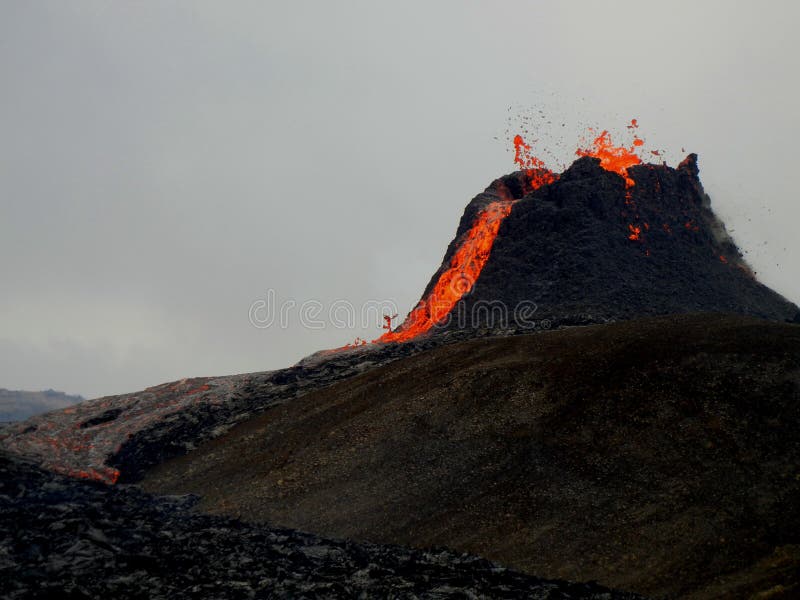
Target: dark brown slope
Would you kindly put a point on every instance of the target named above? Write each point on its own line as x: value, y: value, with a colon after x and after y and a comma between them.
x: 660, y: 456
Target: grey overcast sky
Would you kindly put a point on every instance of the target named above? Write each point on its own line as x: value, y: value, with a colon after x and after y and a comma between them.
x: 164, y: 164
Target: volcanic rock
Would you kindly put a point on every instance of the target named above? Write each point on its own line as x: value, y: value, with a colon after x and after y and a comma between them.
x: 565, y: 252
x: 63, y: 538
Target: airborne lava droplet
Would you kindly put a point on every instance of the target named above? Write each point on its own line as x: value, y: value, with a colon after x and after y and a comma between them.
x: 536, y: 171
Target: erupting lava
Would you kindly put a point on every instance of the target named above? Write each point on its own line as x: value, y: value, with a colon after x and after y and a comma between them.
x: 476, y: 245
x: 618, y: 159
x: 615, y: 158
x: 534, y: 168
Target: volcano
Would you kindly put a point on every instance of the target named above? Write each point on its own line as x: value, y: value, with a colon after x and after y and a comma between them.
x: 592, y: 246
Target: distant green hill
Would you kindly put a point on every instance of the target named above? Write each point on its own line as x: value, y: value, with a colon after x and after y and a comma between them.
x: 16, y: 405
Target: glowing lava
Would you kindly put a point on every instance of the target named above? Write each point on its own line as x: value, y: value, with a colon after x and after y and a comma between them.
x: 458, y: 279
x: 356, y: 343
x: 618, y: 159
x: 538, y: 175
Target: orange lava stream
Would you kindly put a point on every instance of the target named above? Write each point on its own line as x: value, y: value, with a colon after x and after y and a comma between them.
x: 458, y: 279
x: 471, y: 256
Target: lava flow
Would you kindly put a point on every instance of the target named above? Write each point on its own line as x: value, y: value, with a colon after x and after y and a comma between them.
x: 468, y: 261
x: 458, y: 279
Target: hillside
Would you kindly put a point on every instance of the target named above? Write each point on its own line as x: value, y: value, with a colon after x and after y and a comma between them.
x: 656, y: 455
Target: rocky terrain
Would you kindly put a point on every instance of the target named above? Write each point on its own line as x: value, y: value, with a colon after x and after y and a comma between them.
x: 115, y: 438
x: 67, y: 539
x: 656, y: 455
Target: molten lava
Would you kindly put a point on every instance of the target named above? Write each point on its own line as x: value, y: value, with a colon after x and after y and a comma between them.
x: 618, y: 159
x: 534, y: 168
x: 615, y: 158
x: 458, y: 279
x: 356, y: 343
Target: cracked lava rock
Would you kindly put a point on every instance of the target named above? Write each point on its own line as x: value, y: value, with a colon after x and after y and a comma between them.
x: 65, y: 538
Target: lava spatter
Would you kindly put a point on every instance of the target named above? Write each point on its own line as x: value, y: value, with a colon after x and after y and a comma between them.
x: 536, y: 171
x: 617, y: 159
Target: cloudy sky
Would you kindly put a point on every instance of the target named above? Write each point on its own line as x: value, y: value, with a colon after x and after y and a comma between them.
x: 164, y: 165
